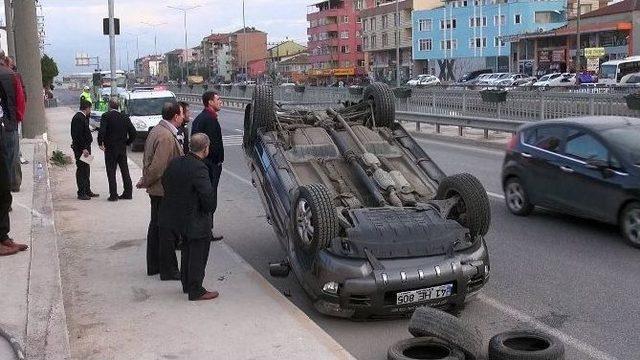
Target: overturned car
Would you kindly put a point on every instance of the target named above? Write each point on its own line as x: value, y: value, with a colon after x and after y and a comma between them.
x: 370, y: 225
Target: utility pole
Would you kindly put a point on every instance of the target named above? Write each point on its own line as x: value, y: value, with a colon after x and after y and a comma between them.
x: 28, y: 61
x: 8, y: 16
x: 578, y: 62
x: 246, y: 60
x: 397, y: 20
x: 112, y: 49
x: 155, y: 34
x: 186, y: 48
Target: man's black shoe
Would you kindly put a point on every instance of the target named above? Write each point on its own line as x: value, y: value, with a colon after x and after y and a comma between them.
x: 92, y: 194
x: 112, y: 198
x: 84, y: 197
x: 125, y: 197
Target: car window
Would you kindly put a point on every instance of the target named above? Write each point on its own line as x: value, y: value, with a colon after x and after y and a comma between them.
x: 583, y: 146
x: 547, y: 138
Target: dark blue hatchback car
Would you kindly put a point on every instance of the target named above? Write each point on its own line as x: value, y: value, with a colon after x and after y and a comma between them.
x: 587, y: 167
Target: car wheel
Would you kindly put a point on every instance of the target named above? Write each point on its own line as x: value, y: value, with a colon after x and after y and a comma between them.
x: 473, y: 210
x: 384, y: 103
x: 315, y: 222
x: 516, y: 197
x: 525, y: 345
x: 424, y: 348
x: 428, y: 321
x: 630, y: 224
x: 246, y: 135
x: 263, y: 113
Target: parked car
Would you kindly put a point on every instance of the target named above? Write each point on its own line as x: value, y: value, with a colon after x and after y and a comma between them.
x: 367, y: 229
x: 588, y: 167
x: 472, y: 75
x: 509, y: 80
x: 556, y: 80
x: 424, y: 80
x: 489, y: 79
x: 630, y: 80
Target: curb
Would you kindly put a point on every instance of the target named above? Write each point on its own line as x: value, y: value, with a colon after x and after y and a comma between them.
x: 460, y: 140
x: 47, y: 334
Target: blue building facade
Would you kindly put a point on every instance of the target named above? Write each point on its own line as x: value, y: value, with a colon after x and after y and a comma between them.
x: 467, y: 35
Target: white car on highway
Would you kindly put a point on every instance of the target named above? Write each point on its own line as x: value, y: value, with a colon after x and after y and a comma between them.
x: 144, y: 107
x: 424, y: 79
x: 556, y: 80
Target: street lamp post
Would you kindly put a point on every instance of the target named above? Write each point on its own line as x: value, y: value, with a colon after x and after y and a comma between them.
x: 155, y: 34
x: 186, y: 49
x: 579, y: 63
x: 112, y: 48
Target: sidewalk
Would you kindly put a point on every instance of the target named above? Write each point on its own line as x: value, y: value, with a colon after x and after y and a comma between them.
x: 115, y: 311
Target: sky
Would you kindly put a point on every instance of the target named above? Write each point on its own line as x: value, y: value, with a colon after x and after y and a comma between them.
x: 74, y: 26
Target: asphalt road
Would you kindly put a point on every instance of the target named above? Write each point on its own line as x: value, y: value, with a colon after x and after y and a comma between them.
x: 574, y: 278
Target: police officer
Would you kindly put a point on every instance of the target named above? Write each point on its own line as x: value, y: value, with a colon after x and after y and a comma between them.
x: 86, y: 95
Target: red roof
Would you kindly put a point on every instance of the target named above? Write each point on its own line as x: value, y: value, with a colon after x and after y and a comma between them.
x: 625, y: 6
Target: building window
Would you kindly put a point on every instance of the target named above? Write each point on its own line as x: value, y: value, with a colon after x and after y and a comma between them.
x: 359, y: 48
x: 497, y: 42
x: 426, y: 45
x: 464, y: 3
x: 385, y: 40
x: 385, y: 21
x: 517, y: 19
x: 345, y: 19
x: 346, y: 64
x: 373, y: 24
x: 357, y: 4
x: 358, y: 34
x: 365, y: 42
x: 373, y: 41
x: 424, y: 25
x: 360, y: 62
x: 344, y: 49
x: 448, y: 44
x: 448, y: 24
x: 501, y: 20
x: 359, y: 20
x: 478, y: 43
x: 475, y: 22
x: 344, y: 35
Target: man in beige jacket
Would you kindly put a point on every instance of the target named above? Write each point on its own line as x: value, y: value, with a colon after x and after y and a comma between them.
x: 161, y: 147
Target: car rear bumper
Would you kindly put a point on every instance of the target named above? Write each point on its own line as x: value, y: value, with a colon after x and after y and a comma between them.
x: 365, y: 292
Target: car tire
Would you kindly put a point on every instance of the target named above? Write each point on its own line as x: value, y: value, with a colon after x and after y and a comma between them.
x: 428, y: 321
x: 424, y: 348
x: 630, y: 224
x: 516, y: 197
x: 246, y: 135
x: 384, y: 103
x: 525, y: 345
x: 263, y: 113
x: 315, y: 222
x: 473, y: 210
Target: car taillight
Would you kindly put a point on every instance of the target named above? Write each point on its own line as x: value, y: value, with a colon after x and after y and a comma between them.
x: 511, y: 145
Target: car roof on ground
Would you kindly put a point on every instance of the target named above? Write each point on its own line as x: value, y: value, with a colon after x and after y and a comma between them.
x: 595, y: 123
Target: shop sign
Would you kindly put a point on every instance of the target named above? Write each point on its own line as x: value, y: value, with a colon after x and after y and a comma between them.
x: 593, y: 64
x: 543, y: 56
x: 594, y: 53
x: 557, y: 56
x: 344, y: 72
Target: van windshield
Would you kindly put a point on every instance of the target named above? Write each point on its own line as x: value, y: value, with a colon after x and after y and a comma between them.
x: 608, y: 71
x: 147, y: 107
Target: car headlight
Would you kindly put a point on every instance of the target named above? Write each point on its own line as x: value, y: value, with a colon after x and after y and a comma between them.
x: 140, y: 125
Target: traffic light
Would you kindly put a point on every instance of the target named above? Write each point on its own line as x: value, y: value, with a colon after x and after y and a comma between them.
x: 97, y: 79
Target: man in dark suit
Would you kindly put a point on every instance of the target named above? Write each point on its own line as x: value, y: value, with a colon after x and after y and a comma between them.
x: 187, y: 208
x: 116, y: 132
x: 183, y: 131
x: 207, y: 123
x: 81, y: 140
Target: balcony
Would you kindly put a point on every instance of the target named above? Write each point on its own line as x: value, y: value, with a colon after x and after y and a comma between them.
x: 325, y: 13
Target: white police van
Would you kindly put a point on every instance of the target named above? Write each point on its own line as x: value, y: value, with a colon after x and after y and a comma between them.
x: 144, y: 107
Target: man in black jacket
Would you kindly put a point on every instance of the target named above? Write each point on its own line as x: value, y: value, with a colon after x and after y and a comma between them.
x: 207, y: 123
x: 183, y: 131
x: 116, y: 132
x: 81, y: 140
x: 187, y: 208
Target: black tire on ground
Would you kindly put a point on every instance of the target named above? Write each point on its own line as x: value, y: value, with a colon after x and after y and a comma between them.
x: 525, y: 345
x: 517, y: 198
x: 384, y: 103
x: 315, y: 201
x: 427, y: 321
x: 630, y: 224
x: 473, y: 210
x: 263, y: 113
x: 246, y: 135
x: 424, y: 348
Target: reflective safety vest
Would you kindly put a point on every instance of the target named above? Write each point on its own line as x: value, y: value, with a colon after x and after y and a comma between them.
x: 86, y: 95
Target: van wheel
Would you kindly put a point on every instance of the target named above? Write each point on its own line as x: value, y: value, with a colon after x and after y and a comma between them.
x: 315, y: 222
x: 384, y: 103
x: 262, y: 110
x: 473, y: 210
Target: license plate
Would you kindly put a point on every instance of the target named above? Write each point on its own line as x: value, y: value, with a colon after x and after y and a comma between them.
x: 420, y: 295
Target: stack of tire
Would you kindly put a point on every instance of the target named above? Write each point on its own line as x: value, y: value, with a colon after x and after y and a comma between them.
x: 441, y: 336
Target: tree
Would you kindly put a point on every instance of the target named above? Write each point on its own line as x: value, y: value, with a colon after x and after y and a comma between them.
x: 49, y: 70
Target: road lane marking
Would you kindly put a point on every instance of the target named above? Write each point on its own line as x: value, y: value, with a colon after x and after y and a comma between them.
x: 232, y: 140
x: 506, y: 309
x: 240, y: 131
x: 567, y: 339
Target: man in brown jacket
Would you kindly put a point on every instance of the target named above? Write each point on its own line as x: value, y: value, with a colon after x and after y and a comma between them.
x: 161, y: 147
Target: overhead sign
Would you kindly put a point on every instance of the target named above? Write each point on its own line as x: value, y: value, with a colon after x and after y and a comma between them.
x: 594, y: 53
x: 593, y: 64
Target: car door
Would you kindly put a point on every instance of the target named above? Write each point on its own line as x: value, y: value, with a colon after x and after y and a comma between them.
x: 591, y: 183
x: 541, y: 161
